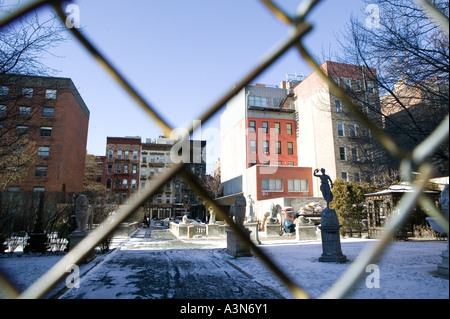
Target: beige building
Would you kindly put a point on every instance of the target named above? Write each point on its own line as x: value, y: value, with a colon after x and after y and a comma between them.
x: 328, y: 136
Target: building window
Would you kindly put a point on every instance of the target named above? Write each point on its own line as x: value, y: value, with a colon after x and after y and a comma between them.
x: 118, y: 168
x: 109, y: 168
x: 342, y: 155
x: 266, y: 162
x: 143, y: 171
x: 133, y: 184
x: 289, y: 128
x: 41, y: 171
x: 338, y: 104
x: 357, y: 177
x: 125, y: 168
x: 44, y: 151
x: 46, y: 131
x: 290, y: 148
x: 297, y: 185
x: 144, y: 158
x: 266, y: 147
x: 352, y: 130
x: 272, y: 184
x: 358, y: 85
x: 25, y: 111
x: 278, y: 147
x: 257, y: 101
x: 152, y: 171
x: 340, y: 129
x: 4, y: 90
x: 126, y: 155
x: 110, y: 154
x: 152, y: 158
x: 134, y: 169
x: 2, y: 110
x: 252, y: 146
x: 108, y: 183
x: 119, y: 154
x: 348, y: 83
x: 277, y: 128
x: 279, y: 163
x: 50, y: 94
x: 135, y: 155
x: 27, y: 92
x: 265, y: 127
x: 290, y: 163
x: 48, y: 112
x: 252, y: 163
x: 21, y: 130
x: 355, y: 154
x: 370, y: 87
x: 344, y: 176
x: 252, y: 126
x: 125, y: 183
x: 14, y: 189
x: 38, y: 189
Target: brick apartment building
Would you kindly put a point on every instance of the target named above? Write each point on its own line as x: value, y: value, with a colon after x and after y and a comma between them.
x: 121, y: 168
x: 48, y: 115
x: 328, y: 136
x: 259, y: 151
x: 130, y: 165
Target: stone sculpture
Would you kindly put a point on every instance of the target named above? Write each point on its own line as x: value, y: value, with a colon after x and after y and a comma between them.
x: 325, y: 188
x: 237, y: 210
x: 212, y: 215
x: 82, y: 212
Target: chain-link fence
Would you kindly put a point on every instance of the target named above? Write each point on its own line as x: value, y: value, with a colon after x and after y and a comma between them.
x: 413, y: 161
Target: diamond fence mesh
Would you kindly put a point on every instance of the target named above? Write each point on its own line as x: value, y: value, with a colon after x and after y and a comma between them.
x: 412, y: 161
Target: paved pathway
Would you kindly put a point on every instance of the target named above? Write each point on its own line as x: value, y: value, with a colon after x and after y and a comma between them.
x: 154, y: 264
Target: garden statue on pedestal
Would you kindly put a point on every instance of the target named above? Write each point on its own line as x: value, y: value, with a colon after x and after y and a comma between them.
x: 235, y: 246
x: 82, y: 211
x: 331, y: 242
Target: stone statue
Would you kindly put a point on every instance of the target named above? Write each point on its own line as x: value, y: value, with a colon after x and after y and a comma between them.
x: 238, y: 210
x: 275, y: 210
x: 82, y: 212
x: 185, y: 220
x: 212, y: 215
x: 250, y: 209
x: 325, y: 186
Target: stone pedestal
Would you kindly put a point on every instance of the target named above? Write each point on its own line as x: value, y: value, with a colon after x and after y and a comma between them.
x: 331, y: 241
x: 305, y: 232
x: 212, y: 230
x: 254, y: 237
x: 235, y: 246
x: 272, y: 229
x: 74, y: 239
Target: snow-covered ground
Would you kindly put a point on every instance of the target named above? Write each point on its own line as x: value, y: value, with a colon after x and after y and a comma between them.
x: 407, y: 270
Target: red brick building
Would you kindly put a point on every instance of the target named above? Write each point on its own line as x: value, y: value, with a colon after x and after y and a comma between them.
x: 121, y: 169
x: 49, y: 114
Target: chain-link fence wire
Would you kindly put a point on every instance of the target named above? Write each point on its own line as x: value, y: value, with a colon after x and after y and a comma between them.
x: 414, y: 161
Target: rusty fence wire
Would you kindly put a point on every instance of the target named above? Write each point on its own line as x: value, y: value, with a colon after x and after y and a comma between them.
x: 412, y: 161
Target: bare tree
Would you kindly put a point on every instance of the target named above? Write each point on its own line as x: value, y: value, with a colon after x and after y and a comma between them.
x: 411, y: 56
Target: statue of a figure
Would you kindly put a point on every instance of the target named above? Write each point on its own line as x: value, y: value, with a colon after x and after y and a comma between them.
x: 82, y: 212
x: 325, y: 186
x: 443, y: 200
x: 250, y: 208
x: 238, y: 210
x: 212, y: 215
x: 275, y: 210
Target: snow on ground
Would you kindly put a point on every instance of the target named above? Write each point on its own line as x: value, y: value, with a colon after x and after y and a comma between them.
x: 407, y: 270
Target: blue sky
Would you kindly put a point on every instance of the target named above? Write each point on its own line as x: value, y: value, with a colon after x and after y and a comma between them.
x: 182, y: 55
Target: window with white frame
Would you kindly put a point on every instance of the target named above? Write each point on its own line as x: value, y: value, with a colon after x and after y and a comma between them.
x: 44, y: 151
x: 297, y: 185
x: 252, y: 126
x: 352, y: 130
x: 27, y: 92
x: 340, y: 129
x: 50, y: 94
x: 355, y: 155
x: 342, y: 154
x: 272, y: 184
x: 338, y: 105
x: 344, y: 176
x: 257, y: 101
